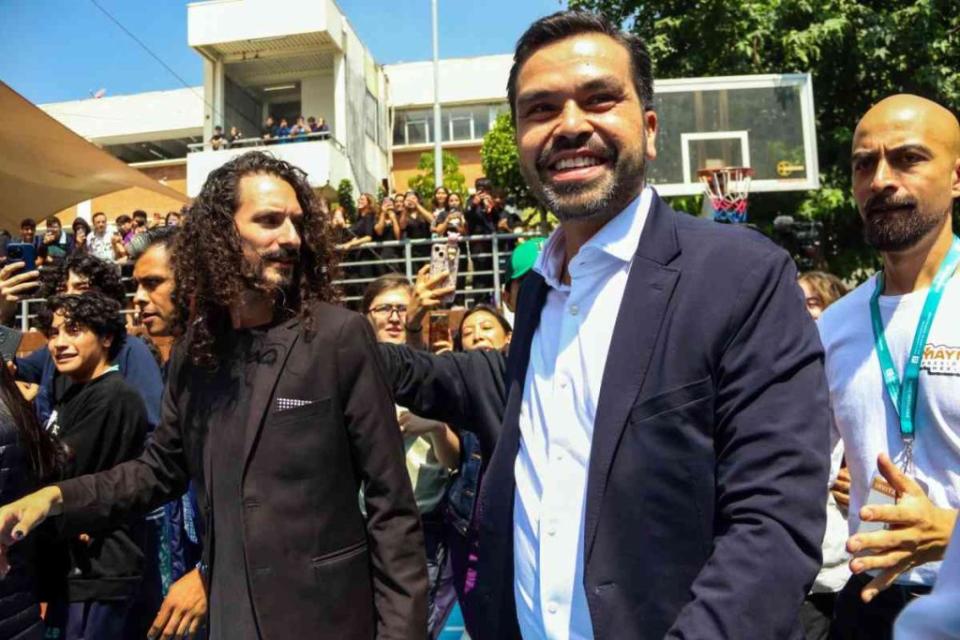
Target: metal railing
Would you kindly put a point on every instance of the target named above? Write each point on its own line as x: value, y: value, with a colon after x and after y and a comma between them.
x: 259, y: 142
x: 355, y: 277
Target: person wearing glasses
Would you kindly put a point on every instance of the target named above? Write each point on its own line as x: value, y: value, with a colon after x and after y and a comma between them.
x: 431, y: 448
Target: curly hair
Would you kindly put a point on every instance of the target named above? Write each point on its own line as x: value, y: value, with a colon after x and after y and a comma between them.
x: 90, y: 309
x: 103, y: 276
x: 209, y: 266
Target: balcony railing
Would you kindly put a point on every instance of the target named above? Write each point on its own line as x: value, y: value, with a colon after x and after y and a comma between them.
x: 239, y: 143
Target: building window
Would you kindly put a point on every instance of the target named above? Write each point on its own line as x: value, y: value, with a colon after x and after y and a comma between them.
x: 457, y: 124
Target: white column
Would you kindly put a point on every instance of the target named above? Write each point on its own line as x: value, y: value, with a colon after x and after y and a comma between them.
x: 339, y: 125
x: 85, y: 210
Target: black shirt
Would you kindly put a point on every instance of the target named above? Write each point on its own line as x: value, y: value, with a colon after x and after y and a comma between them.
x: 417, y: 228
x: 102, y: 423
x: 231, y: 609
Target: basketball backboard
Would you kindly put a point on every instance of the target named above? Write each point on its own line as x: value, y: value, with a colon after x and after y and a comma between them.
x: 764, y: 122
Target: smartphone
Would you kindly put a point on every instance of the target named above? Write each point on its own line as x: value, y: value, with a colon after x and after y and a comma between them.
x: 9, y: 343
x: 445, y: 258
x: 22, y: 252
x: 439, y: 328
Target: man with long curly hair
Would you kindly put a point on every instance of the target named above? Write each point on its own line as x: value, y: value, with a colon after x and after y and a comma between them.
x: 277, y: 409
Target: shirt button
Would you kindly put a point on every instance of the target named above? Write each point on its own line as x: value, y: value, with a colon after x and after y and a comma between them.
x: 574, y: 309
x: 552, y: 607
x: 558, y: 457
x: 563, y: 384
x: 552, y: 531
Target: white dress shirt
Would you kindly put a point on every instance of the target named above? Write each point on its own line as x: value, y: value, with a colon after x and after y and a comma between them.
x: 560, y: 395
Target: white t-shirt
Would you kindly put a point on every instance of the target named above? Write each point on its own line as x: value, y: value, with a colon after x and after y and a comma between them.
x: 863, y: 413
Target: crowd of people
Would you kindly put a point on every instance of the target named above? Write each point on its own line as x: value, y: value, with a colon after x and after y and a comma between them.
x: 273, y: 132
x: 677, y: 436
x: 56, y: 244
x: 447, y: 216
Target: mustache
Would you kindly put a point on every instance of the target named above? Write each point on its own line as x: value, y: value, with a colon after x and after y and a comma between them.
x: 880, y: 203
x: 280, y: 255
x: 592, y: 144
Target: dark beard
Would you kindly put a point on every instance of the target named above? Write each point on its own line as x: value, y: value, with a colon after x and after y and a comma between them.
x: 257, y: 279
x: 896, y: 230
x: 595, y: 200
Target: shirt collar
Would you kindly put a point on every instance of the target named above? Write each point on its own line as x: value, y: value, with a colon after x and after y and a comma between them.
x: 617, y: 239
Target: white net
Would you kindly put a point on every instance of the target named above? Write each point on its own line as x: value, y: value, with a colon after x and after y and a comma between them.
x: 728, y: 191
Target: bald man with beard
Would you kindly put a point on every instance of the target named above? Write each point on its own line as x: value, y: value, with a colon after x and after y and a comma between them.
x: 893, y: 363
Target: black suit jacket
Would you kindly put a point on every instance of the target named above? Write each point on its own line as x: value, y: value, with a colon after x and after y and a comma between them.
x: 316, y: 568
x: 708, y: 468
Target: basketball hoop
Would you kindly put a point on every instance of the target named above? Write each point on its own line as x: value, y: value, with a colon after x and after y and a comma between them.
x: 727, y: 189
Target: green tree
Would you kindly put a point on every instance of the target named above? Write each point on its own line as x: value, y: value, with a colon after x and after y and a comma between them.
x: 501, y: 159
x: 345, y: 199
x: 424, y: 184
x: 857, y: 52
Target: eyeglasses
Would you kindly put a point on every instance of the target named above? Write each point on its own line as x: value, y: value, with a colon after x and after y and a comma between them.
x: 389, y: 309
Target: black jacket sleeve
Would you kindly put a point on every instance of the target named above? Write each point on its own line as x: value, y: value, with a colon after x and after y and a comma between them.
x: 466, y: 390
x: 111, y: 428
x: 772, y: 443
x: 157, y: 476
x: 393, y: 522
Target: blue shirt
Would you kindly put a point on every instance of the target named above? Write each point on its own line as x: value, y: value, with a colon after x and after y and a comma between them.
x: 136, y: 364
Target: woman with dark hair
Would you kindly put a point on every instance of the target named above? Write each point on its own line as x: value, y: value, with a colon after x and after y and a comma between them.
x: 389, y: 229
x: 81, y: 230
x: 172, y: 219
x: 440, y: 196
x: 28, y: 458
x: 452, y: 219
x: 362, y: 232
x: 483, y: 327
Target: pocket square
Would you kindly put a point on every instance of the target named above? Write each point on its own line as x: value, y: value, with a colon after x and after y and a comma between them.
x: 284, y: 404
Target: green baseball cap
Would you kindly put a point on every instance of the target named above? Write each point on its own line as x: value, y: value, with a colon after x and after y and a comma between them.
x: 524, y: 257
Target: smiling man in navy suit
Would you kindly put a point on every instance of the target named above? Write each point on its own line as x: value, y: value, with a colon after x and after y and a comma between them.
x: 662, y: 462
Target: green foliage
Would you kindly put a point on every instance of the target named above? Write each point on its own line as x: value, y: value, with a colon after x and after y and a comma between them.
x: 424, y: 184
x: 345, y: 199
x: 501, y: 160
x: 857, y: 53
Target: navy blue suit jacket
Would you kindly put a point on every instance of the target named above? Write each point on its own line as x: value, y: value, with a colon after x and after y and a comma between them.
x: 705, y: 502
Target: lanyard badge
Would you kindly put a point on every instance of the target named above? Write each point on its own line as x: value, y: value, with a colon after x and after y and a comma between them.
x: 903, y: 394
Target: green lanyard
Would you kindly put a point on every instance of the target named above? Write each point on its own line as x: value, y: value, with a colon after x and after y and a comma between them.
x: 903, y: 394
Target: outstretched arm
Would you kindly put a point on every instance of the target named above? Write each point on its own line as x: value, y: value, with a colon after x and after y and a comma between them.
x: 393, y: 522
x: 105, y: 499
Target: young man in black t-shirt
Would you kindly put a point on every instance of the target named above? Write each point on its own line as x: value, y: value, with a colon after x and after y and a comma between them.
x: 102, y: 422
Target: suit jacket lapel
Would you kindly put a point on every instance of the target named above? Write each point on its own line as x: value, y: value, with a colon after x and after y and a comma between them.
x: 272, y: 359
x: 500, y: 491
x: 649, y: 287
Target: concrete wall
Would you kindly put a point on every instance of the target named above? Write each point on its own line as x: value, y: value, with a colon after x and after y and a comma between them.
x: 462, y: 80
x: 218, y: 21
x: 242, y: 111
x: 317, y: 98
